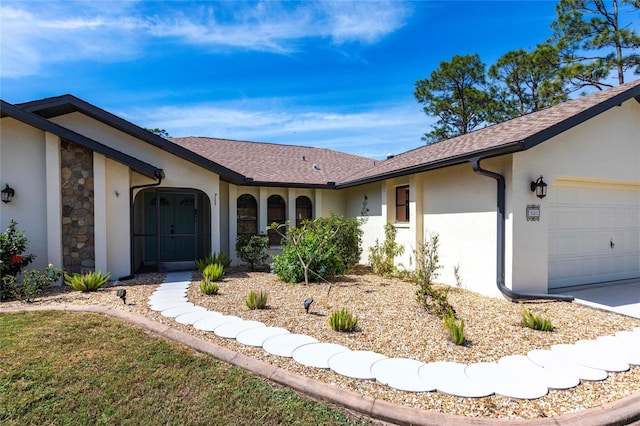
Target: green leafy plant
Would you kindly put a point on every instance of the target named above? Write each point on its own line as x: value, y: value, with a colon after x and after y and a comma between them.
x: 382, y: 256
x: 31, y: 282
x: 90, y: 281
x: 343, y: 320
x: 213, y: 272
x: 535, y: 321
x: 320, y: 249
x: 212, y: 258
x: 455, y: 329
x: 427, y: 265
x: 13, y: 244
x: 209, y: 287
x: 252, y: 249
x: 256, y: 300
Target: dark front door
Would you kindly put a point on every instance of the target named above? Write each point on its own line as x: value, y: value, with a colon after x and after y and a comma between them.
x: 171, y: 229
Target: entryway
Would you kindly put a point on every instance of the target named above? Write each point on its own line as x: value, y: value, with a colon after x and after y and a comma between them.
x: 172, y: 228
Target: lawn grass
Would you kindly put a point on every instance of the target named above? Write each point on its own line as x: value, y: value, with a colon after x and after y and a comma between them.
x: 82, y: 368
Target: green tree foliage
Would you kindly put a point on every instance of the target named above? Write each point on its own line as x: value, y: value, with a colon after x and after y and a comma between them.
x: 160, y: 132
x: 525, y: 82
x: 318, y: 250
x: 596, y: 37
x: 456, y: 93
x: 252, y: 249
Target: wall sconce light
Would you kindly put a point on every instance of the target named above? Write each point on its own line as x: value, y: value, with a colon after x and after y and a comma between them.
x: 7, y: 194
x: 539, y: 187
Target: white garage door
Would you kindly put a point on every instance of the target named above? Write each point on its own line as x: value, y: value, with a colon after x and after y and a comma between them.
x: 594, y: 233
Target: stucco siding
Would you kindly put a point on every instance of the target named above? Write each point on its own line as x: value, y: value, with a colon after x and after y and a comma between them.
x: 460, y: 206
x: 604, y: 151
x: 118, y: 235
x: 369, y: 211
x: 23, y: 166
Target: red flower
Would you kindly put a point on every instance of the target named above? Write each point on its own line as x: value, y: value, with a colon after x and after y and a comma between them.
x: 16, y: 258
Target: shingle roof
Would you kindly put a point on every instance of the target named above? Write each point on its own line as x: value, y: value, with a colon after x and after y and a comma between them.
x: 511, y: 136
x: 276, y: 164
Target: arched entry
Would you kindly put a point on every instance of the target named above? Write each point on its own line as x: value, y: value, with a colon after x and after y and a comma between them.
x: 172, y: 228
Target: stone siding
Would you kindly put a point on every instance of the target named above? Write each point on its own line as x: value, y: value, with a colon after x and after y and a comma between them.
x: 78, y: 249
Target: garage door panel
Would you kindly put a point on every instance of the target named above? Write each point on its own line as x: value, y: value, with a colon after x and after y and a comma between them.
x: 584, y: 220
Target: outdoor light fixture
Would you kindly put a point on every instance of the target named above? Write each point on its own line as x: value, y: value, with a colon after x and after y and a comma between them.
x: 307, y: 303
x: 539, y: 187
x: 7, y: 194
x: 122, y: 294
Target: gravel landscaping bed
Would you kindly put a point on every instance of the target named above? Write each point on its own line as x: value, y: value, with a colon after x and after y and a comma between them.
x: 391, y: 322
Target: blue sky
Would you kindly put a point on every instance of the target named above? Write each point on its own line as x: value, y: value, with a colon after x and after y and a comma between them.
x: 328, y: 74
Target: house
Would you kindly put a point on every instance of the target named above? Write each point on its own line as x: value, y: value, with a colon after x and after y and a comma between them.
x: 94, y: 191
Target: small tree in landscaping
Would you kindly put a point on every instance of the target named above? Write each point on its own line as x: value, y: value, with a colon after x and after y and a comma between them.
x: 252, y: 249
x: 318, y: 249
x: 427, y: 266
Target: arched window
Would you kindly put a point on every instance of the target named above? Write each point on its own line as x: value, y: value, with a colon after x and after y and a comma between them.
x: 303, y: 210
x: 276, y: 212
x: 247, y: 210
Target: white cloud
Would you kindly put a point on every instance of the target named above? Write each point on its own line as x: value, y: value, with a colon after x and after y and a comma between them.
x: 36, y: 33
x: 31, y: 39
x: 372, y: 133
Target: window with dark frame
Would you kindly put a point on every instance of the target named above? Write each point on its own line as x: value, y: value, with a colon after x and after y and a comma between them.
x: 402, y: 203
x: 304, y: 210
x: 247, y: 210
x: 276, y: 212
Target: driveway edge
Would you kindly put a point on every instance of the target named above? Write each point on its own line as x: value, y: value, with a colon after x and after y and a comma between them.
x: 621, y: 412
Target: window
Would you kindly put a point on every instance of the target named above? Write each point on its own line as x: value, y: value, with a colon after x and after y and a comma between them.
x: 247, y: 210
x: 303, y: 209
x: 402, y: 203
x: 276, y: 212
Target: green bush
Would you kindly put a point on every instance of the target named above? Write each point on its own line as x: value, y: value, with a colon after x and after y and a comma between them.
x: 209, y: 287
x: 252, y: 249
x: 318, y: 250
x: 256, y: 300
x: 343, y: 320
x: 535, y: 321
x: 382, y: 257
x: 31, y: 282
x: 86, y: 282
x: 213, y: 258
x: 454, y: 329
x: 13, y: 244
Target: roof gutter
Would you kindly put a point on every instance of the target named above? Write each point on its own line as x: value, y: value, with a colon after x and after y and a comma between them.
x: 500, y: 255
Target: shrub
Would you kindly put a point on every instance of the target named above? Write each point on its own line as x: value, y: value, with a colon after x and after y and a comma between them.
x: 213, y: 272
x: 317, y: 249
x: 212, y: 258
x: 252, y: 249
x: 209, y: 287
x: 31, y: 282
x: 256, y: 300
x: 13, y: 244
x: 91, y: 281
x: 343, y: 320
x: 535, y: 321
x: 382, y: 257
x: 433, y: 299
x: 454, y: 329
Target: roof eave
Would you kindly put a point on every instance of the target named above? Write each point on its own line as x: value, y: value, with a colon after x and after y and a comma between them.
x: 509, y: 148
x: 68, y: 103
x: 146, y: 169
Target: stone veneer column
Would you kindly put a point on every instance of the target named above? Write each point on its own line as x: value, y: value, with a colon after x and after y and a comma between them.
x: 78, y: 253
